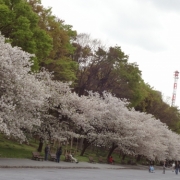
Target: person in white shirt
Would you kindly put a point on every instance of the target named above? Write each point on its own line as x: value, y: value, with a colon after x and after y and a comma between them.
x: 72, y: 158
x: 173, y: 166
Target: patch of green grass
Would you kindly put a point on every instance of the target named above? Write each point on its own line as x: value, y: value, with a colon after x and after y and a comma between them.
x: 13, y: 149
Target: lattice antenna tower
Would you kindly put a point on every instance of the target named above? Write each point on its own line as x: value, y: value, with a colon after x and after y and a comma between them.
x: 176, y: 77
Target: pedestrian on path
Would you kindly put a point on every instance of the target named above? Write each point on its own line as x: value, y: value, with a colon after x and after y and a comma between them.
x: 176, y: 167
x: 58, y: 154
x: 173, y: 166
x: 46, y: 151
x: 164, y: 167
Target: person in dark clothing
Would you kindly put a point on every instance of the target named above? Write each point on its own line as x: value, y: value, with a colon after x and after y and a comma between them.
x: 58, y: 154
x: 46, y: 151
x: 176, y: 167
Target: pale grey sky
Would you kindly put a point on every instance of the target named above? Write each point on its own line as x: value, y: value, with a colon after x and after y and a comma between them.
x: 147, y: 30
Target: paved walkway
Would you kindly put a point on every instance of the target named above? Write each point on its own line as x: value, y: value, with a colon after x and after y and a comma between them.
x: 28, y: 163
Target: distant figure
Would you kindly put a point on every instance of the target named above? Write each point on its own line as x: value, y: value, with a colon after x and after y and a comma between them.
x: 72, y: 158
x: 164, y: 167
x: 111, y: 161
x: 176, y: 167
x: 46, y: 151
x: 173, y: 166
x: 58, y: 154
x: 151, y: 169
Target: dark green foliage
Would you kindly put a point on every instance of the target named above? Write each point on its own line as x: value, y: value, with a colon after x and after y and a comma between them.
x: 59, y: 59
x: 20, y: 24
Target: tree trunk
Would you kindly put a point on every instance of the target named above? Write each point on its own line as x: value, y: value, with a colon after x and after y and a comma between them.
x: 86, y: 144
x: 81, y: 144
x: 71, y: 144
x: 40, y: 144
x: 123, y: 157
x: 113, y: 147
x: 138, y: 158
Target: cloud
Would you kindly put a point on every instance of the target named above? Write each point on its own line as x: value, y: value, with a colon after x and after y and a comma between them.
x: 166, y: 5
x: 132, y: 23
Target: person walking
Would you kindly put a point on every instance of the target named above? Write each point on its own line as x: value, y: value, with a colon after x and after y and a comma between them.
x: 58, y: 154
x: 46, y: 151
x: 164, y: 167
x: 173, y: 166
x: 176, y: 167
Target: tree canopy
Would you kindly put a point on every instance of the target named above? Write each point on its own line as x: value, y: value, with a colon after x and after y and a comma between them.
x: 19, y: 24
x: 107, y: 101
x: 59, y: 59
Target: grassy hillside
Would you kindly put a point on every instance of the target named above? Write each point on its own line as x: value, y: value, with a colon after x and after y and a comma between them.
x: 12, y: 149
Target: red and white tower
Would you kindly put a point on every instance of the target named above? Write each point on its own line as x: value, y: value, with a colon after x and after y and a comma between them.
x: 176, y: 77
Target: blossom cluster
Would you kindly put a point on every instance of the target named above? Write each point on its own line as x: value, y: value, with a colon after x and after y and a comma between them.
x: 36, y: 103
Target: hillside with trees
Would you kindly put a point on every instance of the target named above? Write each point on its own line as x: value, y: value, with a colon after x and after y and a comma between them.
x: 59, y: 85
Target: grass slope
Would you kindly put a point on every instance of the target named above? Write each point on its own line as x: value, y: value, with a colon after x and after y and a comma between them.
x: 12, y: 149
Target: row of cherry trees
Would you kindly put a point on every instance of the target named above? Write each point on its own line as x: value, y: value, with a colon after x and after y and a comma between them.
x: 34, y: 103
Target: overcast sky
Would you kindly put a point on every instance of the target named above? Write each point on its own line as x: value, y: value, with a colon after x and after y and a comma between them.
x: 146, y: 30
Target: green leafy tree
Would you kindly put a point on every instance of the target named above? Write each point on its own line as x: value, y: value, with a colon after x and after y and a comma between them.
x: 154, y: 104
x: 107, y: 70
x: 19, y: 24
x: 60, y: 58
